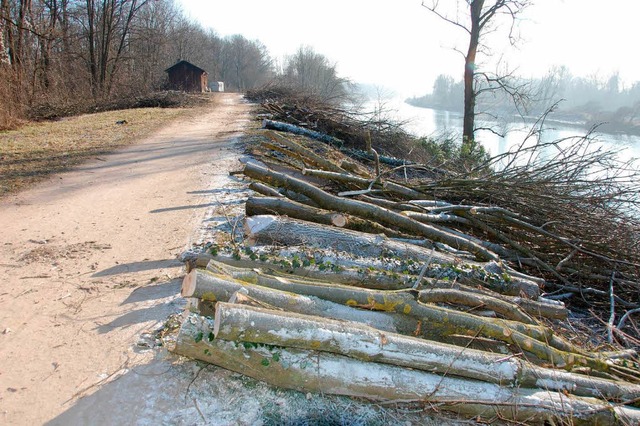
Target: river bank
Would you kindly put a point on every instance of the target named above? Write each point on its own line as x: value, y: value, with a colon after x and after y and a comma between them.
x: 442, y: 124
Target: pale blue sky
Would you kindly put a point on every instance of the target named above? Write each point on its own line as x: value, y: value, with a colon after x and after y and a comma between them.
x: 399, y: 44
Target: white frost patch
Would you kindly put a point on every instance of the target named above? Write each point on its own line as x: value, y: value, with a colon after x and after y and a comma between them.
x: 555, y: 384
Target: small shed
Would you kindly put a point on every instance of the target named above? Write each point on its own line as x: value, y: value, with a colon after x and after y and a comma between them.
x: 187, y: 77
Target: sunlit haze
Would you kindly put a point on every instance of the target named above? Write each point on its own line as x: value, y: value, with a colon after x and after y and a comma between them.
x: 401, y: 46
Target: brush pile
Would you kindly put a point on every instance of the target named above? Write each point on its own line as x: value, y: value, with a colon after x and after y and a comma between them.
x: 416, y: 284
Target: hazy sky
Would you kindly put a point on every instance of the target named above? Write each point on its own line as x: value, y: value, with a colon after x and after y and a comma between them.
x: 400, y: 45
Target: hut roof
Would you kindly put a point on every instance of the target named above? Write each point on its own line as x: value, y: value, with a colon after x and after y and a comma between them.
x: 180, y: 63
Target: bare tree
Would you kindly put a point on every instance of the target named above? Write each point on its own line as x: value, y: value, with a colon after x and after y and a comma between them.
x: 108, y: 28
x: 245, y: 63
x: 478, y: 20
x: 314, y: 73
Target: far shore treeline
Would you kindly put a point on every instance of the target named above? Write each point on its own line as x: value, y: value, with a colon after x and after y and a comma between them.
x: 606, y: 102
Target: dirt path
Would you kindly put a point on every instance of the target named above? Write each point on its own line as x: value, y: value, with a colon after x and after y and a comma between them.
x: 88, y: 268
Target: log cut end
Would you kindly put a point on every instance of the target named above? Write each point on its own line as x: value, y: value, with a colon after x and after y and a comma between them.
x: 189, y: 284
x: 339, y: 220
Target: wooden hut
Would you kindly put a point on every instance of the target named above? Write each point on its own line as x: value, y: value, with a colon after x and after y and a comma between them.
x: 187, y: 77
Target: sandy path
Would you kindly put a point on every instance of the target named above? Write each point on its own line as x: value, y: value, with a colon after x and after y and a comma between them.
x: 88, y: 264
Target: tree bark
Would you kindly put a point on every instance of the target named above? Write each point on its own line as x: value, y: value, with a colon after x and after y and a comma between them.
x: 468, y: 124
x: 364, y: 210
x: 279, y: 230
x: 312, y: 371
x: 281, y: 206
x: 536, y: 340
x: 283, y: 329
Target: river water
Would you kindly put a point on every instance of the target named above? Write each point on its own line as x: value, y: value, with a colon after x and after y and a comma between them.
x: 432, y: 122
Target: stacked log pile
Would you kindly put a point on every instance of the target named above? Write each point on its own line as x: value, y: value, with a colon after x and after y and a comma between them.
x: 358, y: 283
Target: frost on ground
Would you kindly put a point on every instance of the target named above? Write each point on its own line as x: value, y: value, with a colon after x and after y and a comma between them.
x: 171, y: 390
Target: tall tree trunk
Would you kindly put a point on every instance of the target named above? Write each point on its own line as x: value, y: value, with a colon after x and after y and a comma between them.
x: 24, y: 8
x: 5, y: 33
x: 91, y: 35
x: 469, y: 72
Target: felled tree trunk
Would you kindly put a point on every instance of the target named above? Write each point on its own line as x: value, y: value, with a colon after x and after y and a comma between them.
x: 248, y: 270
x: 536, y: 340
x: 213, y: 287
x: 365, y: 210
x: 270, y: 229
x: 283, y: 329
x: 312, y: 371
x: 281, y: 206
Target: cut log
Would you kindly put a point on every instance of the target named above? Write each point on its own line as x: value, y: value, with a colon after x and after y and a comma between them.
x: 390, y: 187
x: 266, y: 190
x: 365, y: 210
x: 211, y: 287
x: 310, y: 156
x: 297, y: 130
x: 270, y: 230
x: 536, y: 340
x: 312, y: 371
x: 280, y: 206
x: 282, y: 329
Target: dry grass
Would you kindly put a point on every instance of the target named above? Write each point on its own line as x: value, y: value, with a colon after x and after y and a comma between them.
x: 37, y: 150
